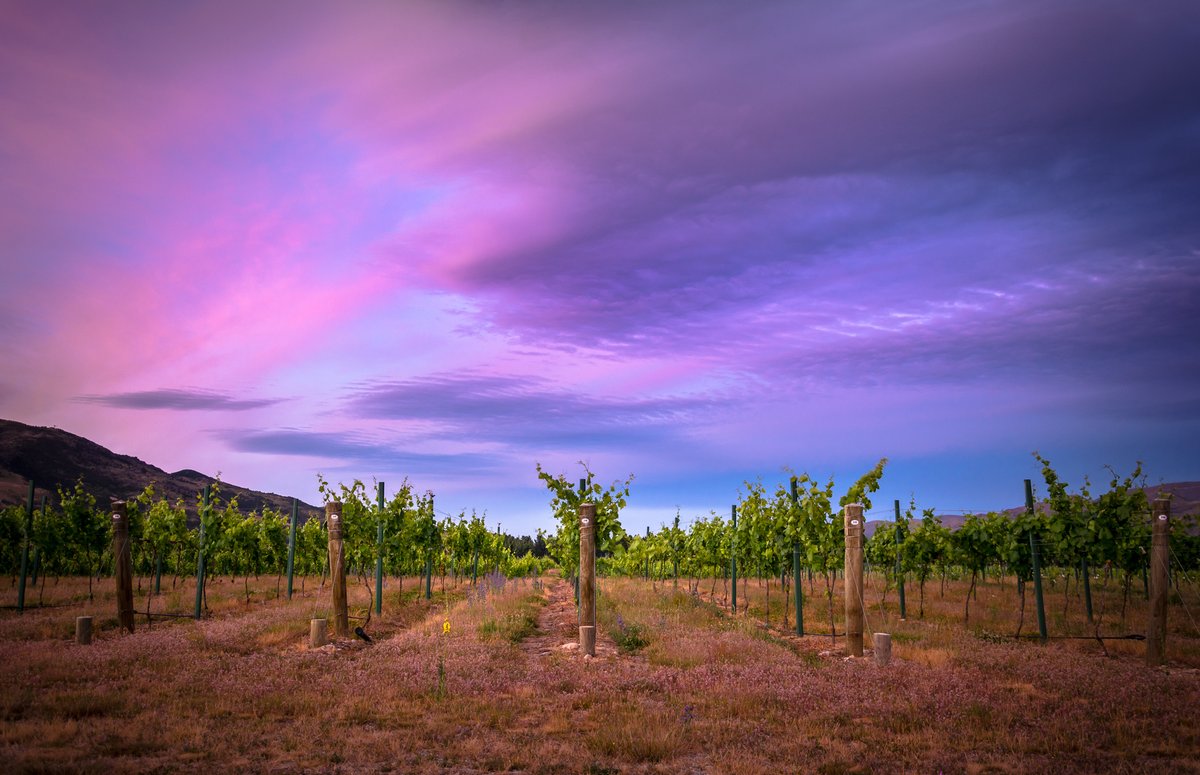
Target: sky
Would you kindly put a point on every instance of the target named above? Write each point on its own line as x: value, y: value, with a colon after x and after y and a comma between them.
x: 697, y: 242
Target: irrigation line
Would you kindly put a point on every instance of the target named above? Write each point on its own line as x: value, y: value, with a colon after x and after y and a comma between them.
x: 1131, y: 636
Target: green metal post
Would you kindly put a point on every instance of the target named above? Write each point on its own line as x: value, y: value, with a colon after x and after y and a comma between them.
x: 733, y: 556
x: 675, y: 551
x: 291, y: 562
x: 37, y: 550
x: 475, y: 569
x: 1036, y: 554
x: 379, y: 559
x: 899, y: 565
x: 429, y: 577
x: 200, y: 553
x: 25, y: 550
x: 797, y: 583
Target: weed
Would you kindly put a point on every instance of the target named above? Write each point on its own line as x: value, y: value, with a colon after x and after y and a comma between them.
x: 629, y: 636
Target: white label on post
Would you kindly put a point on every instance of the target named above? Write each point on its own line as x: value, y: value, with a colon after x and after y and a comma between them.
x: 116, y: 516
x: 1162, y: 517
x: 586, y: 521
x: 333, y: 516
x: 854, y: 522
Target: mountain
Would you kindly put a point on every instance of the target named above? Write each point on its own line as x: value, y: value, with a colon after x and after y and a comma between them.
x: 54, y: 458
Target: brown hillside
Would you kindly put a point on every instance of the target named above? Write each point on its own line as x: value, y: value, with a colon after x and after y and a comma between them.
x: 54, y: 458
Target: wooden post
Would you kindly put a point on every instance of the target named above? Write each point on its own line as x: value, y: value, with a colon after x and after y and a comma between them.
x: 25, y: 550
x: 587, y: 579
x: 379, y: 559
x: 899, y: 566
x: 1156, y: 631
x: 883, y: 648
x: 291, y: 561
x: 854, y: 579
x: 318, y: 634
x: 123, y: 568
x: 83, y: 630
x: 733, y: 557
x: 1036, y: 558
x: 337, y: 570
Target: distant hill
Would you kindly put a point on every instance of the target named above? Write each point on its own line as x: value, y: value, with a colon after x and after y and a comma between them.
x: 53, y: 457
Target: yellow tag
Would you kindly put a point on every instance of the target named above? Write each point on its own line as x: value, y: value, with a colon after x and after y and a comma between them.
x: 446, y: 627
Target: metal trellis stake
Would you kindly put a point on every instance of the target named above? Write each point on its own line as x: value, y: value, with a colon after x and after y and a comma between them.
x: 1035, y: 551
x: 291, y: 560
x: 379, y: 559
x: 200, y: 552
x: 25, y: 550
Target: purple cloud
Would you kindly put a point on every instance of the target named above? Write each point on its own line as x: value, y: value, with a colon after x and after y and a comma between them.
x: 183, y: 400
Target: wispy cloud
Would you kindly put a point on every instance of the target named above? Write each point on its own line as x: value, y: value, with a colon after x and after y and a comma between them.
x: 179, y: 399
x: 526, y: 411
x: 350, y: 449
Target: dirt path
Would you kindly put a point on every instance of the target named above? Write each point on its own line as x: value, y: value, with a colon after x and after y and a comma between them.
x: 558, y: 625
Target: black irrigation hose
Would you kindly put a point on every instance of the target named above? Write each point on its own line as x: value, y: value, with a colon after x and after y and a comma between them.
x: 1081, y: 637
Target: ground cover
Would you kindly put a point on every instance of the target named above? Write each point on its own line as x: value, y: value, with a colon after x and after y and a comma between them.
x: 484, y: 678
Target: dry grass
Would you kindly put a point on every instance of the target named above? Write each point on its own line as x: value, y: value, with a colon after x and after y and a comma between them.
x: 710, y: 693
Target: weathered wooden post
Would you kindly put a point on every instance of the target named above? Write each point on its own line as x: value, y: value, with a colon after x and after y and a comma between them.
x: 83, y: 630
x: 25, y: 550
x: 1160, y: 549
x: 318, y: 634
x: 1036, y: 560
x: 291, y: 561
x: 379, y: 559
x: 854, y: 579
x: 733, y: 557
x: 883, y: 648
x: 122, y: 566
x: 337, y: 569
x: 587, y: 579
x: 899, y: 565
